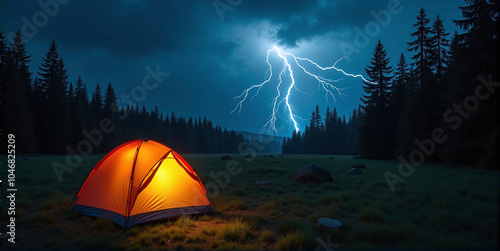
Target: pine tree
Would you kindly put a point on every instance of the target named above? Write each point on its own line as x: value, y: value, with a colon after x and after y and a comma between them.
x: 81, y: 95
x: 374, y: 130
x: 328, y: 116
x: 21, y: 60
x: 3, y: 57
x: 427, y: 87
x: 440, y: 52
x: 399, y: 88
x: 378, y: 89
x: 48, y: 69
x: 456, y: 68
x: 80, y: 111
x: 398, y: 95
x: 401, y: 75
x: 317, y: 119
x: 110, y: 110
x: 478, y: 57
x: 96, y: 112
x: 70, y: 95
x: 422, y: 46
x: 409, y: 119
x: 480, y: 21
x: 352, y: 134
x: 3, y: 49
x: 97, y: 102
x: 312, y: 121
x: 110, y: 106
x: 17, y: 117
x: 56, y: 132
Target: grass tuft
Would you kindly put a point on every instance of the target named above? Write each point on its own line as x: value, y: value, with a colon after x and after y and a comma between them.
x: 184, y: 221
x: 297, y: 240
x: 267, y: 236
x: 237, y: 231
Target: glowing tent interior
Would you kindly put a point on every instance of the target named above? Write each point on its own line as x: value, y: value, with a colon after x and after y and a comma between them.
x: 139, y: 181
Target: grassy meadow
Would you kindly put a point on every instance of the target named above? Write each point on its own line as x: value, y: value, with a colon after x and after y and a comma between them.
x: 437, y: 207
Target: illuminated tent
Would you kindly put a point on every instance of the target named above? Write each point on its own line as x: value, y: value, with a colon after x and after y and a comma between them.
x: 140, y: 181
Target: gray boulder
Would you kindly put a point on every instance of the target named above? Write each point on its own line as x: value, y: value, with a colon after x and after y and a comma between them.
x: 325, y: 223
x: 355, y: 171
x: 312, y: 174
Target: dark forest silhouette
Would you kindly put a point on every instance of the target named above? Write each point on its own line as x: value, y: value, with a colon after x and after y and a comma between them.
x: 331, y: 135
x: 48, y: 114
x: 410, y: 101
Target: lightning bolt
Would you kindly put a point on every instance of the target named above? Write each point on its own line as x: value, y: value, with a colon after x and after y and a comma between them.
x: 328, y: 85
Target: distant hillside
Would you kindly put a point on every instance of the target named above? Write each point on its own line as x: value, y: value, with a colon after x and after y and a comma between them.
x: 272, y: 143
x: 261, y: 137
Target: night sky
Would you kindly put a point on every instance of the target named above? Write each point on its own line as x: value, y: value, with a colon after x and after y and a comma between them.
x: 213, y: 56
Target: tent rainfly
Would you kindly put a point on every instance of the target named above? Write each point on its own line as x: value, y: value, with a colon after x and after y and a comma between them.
x: 140, y: 181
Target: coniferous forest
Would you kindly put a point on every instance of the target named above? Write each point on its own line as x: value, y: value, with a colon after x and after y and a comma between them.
x: 331, y: 135
x: 440, y: 105
x: 48, y: 114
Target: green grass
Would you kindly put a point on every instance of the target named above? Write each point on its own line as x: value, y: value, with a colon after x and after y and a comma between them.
x: 437, y: 207
x: 289, y: 225
x: 234, y: 205
x: 297, y: 240
x: 267, y: 236
x: 237, y: 231
x: 184, y: 222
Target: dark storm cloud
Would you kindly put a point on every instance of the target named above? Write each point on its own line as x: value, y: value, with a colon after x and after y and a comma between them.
x: 305, y: 20
x: 123, y: 28
x: 130, y: 28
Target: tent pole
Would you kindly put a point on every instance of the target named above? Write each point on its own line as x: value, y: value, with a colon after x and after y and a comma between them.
x: 71, y: 204
x: 74, y: 197
x: 212, y: 203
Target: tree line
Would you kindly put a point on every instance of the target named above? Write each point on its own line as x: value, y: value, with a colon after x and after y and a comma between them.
x: 331, y: 135
x: 440, y: 106
x: 48, y: 114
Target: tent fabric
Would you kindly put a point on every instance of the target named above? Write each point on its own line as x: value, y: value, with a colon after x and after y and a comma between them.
x: 139, y: 181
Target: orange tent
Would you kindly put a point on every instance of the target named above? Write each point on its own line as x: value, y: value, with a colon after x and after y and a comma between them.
x: 140, y: 181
